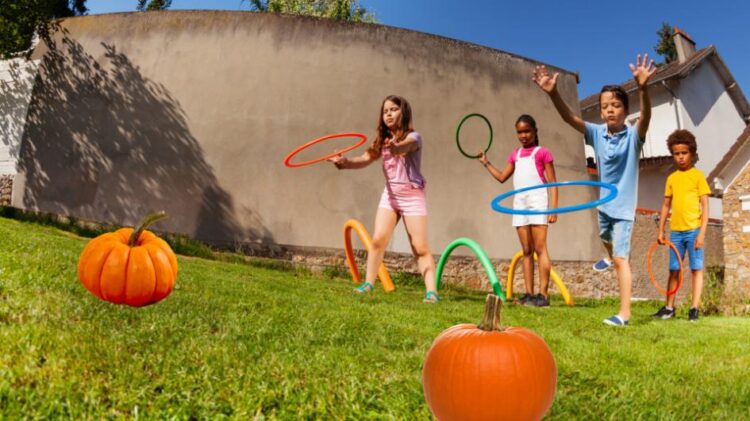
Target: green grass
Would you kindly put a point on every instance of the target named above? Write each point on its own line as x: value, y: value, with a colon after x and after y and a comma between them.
x: 271, y: 342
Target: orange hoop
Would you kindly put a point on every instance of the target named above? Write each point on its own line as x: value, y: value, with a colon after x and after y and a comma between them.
x: 651, y: 273
x: 288, y: 159
x: 364, y: 236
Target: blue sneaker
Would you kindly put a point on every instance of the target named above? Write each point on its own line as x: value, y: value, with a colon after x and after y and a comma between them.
x: 602, y: 265
x: 615, y: 321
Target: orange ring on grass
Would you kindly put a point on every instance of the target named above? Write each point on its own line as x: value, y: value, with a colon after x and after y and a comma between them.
x: 651, y: 273
x: 288, y: 159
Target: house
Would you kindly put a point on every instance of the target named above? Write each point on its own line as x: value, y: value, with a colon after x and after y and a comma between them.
x: 16, y: 83
x: 731, y: 182
x: 696, y: 92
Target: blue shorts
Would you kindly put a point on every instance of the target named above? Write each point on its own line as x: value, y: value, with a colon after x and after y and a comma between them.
x: 685, y: 240
x: 617, y: 233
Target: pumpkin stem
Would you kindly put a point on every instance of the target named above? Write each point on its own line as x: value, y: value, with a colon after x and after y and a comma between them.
x: 491, y: 321
x: 147, y: 220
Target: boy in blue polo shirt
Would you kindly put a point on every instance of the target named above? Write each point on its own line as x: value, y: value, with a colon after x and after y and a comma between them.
x: 617, y: 147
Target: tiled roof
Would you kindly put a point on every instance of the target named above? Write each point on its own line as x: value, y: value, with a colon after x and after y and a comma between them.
x: 670, y: 71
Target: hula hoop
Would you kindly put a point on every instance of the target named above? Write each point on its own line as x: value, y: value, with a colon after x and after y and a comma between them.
x: 364, y: 236
x: 612, y: 194
x: 651, y: 274
x: 458, y: 132
x: 479, y: 252
x: 288, y: 159
x: 552, y: 275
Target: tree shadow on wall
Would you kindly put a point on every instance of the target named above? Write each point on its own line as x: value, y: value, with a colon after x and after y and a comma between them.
x: 104, y: 142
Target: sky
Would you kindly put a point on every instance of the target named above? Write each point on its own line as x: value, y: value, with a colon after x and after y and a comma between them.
x: 597, y: 39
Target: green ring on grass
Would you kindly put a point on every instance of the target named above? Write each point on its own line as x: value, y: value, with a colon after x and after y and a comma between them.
x: 479, y: 252
x: 458, y: 132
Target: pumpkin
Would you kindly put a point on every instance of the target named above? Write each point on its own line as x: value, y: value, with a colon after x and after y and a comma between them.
x: 489, y: 372
x: 129, y: 266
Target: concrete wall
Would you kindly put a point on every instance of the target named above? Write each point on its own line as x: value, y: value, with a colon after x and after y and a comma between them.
x: 193, y: 112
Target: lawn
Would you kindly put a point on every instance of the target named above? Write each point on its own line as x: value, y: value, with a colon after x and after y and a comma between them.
x: 242, y: 341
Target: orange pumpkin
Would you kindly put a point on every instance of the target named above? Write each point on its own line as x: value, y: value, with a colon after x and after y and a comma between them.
x: 133, y: 267
x: 489, y: 372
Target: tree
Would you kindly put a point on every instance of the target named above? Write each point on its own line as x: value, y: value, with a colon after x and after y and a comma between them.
x: 666, y: 47
x: 153, y: 4
x: 20, y: 19
x: 348, y: 10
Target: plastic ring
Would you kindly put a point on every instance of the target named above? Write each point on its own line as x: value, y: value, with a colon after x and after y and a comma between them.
x: 612, y: 194
x: 458, y: 132
x: 651, y: 274
x: 288, y: 159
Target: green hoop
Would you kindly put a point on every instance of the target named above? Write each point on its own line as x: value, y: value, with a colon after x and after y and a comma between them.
x: 458, y: 132
x: 479, y: 252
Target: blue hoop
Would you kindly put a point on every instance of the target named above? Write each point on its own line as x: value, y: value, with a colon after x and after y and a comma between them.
x: 612, y: 194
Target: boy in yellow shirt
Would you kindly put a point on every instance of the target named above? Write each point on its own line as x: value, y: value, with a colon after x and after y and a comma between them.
x: 687, y: 193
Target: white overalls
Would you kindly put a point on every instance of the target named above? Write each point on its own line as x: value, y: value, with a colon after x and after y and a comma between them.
x: 526, y: 175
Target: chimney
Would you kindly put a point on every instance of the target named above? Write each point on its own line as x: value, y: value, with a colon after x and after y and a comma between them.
x: 685, y: 45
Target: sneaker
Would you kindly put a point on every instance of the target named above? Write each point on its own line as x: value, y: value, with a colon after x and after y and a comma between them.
x: 527, y: 300
x: 693, y: 314
x: 615, y: 321
x: 602, y: 265
x: 664, y: 313
x: 541, y: 301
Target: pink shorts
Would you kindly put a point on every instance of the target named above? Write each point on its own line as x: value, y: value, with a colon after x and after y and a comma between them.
x: 404, y: 200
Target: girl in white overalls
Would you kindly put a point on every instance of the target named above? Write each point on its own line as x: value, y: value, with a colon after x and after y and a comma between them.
x: 530, y: 165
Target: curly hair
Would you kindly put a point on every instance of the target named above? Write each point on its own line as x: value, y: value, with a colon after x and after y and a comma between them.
x: 683, y: 137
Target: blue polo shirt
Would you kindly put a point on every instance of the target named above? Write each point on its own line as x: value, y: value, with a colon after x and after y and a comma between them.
x: 617, y: 158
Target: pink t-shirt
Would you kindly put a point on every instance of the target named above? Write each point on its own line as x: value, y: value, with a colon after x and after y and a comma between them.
x: 405, y: 170
x: 543, y: 156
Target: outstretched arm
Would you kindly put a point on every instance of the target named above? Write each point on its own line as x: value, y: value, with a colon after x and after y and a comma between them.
x: 409, y: 144
x: 549, y: 85
x: 341, y: 162
x: 642, y: 72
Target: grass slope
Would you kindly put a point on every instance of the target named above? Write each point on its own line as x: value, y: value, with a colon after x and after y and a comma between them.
x: 245, y: 342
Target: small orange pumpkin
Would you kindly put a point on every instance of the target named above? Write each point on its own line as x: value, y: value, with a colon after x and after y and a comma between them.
x: 133, y: 267
x: 489, y: 372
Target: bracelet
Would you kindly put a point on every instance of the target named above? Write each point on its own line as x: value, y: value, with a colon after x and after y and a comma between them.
x: 486, y: 164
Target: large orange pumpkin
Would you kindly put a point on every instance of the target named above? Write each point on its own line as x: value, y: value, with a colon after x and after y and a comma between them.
x: 133, y: 267
x: 489, y: 372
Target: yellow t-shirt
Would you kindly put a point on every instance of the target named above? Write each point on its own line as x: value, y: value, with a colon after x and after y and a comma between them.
x: 686, y: 188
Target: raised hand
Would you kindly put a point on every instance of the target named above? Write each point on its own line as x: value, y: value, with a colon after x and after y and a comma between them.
x: 643, y: 70
x: 544, y: 80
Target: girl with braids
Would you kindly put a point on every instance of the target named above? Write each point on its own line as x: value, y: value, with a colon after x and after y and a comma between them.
x: 530, y: 165
x: 404, y: 194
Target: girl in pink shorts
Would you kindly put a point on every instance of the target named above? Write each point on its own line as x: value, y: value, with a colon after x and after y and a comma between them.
x: 404, y: 194
x: 530, y: 165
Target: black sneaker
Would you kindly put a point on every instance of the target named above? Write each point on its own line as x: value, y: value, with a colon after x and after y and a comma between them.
x: 527, y: 300
x: 664, y: 313
x: 693, y: 314
x: 541, y: 301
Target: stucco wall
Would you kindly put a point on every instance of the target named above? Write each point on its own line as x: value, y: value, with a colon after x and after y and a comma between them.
x: 193, y: 112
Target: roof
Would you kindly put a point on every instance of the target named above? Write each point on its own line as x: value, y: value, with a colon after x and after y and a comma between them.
x: 741, y: 141
x: 676, y: 71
